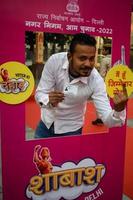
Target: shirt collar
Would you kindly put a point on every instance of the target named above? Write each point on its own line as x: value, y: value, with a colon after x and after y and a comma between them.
x: 80, y: 79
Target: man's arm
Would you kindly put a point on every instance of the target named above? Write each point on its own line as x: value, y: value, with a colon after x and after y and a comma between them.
x: 46, y: 95
x: 46, y: 83
x: 110, y: 117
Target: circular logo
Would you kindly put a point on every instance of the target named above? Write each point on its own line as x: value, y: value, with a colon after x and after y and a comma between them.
x: 16, y: 82
x: 116, y: 77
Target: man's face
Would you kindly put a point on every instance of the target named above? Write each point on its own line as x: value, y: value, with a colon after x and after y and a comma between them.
x: 82, y: 61
x: 104, y: 52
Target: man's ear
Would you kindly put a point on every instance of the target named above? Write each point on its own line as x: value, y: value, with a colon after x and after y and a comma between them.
x: 69, y: 56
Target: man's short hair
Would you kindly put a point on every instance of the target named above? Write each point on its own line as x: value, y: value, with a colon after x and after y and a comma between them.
x: 82, y: 39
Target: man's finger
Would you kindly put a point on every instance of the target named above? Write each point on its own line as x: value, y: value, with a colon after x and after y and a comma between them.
x: 55, y: 93
x: 125, y: 90
x: 124, y: 87
x: 116, y: 99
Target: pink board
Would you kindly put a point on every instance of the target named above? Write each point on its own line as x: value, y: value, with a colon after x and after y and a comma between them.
x: 94, y: 161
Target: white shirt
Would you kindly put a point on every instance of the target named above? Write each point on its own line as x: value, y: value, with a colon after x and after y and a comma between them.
x: 69, y: 114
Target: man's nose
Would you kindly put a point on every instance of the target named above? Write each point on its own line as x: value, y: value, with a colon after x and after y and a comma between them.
x: 87, y: 63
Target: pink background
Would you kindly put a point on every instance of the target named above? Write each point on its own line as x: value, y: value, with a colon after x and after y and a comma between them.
x: 17, y: 154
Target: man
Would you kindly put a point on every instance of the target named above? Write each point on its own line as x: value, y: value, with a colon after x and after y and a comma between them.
x: 106, y: 61
x: 67, y: 81
x: 105, y: 65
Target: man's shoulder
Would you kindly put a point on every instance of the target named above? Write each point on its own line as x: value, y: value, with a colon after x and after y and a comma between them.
x: 95, y: 74
x: 95, y: 77
x: 58, y: 60
x: 60, y: 55
x: 95, y: 81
